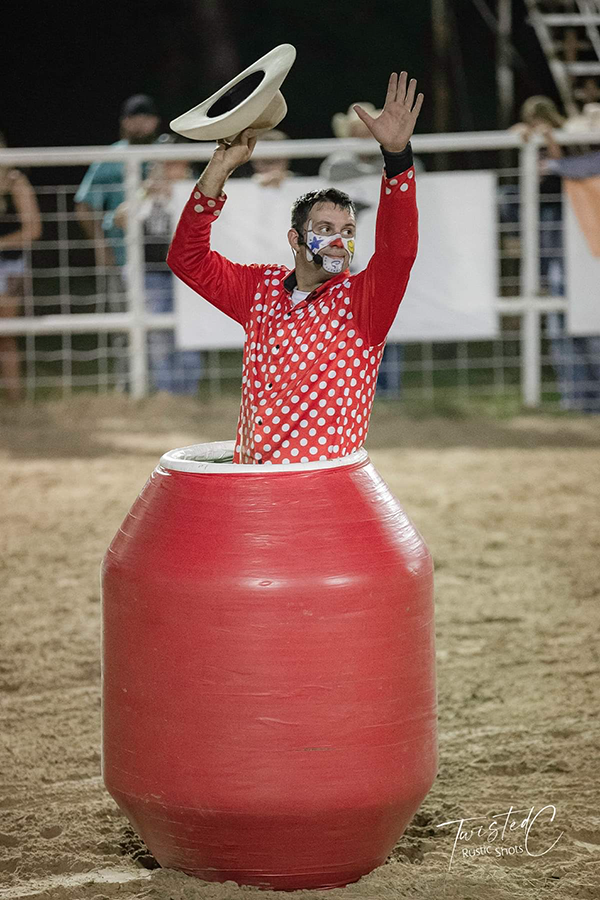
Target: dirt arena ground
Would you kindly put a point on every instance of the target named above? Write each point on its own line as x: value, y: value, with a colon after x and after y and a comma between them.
x: 510, y: 511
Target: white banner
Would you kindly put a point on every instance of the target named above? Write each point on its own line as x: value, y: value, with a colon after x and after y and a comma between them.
x: 582, y: 282
x: 452, y: 287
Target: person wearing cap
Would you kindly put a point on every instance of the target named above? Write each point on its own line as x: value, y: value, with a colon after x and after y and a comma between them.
x: 99, y: 195
x: 315, y: 334
x: 101, y: 191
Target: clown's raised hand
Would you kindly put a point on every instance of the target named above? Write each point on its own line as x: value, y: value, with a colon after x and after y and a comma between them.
x: 393, y: 128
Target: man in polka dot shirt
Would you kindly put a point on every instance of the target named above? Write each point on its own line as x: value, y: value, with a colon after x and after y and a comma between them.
x: 314, y: 335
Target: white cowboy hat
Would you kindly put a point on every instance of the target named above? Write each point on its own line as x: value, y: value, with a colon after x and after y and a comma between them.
x: 342, y: 122
x: 251, y: 99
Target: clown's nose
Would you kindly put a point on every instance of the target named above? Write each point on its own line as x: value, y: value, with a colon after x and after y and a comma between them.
x: 337, y: 243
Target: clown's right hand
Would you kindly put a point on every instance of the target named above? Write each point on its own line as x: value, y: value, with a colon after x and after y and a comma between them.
x: 226, y: 158
x: 230, y: 156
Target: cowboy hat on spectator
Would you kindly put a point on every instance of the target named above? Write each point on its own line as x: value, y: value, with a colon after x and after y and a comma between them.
x: 342, y: 123
x: 250, y: 100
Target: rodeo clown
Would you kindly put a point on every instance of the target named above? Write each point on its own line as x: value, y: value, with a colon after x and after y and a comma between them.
x: 314, y: 335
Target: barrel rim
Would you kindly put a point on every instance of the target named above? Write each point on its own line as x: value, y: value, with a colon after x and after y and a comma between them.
x: 213, y: 458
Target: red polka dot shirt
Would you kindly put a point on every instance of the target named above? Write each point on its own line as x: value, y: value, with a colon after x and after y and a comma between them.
x: 309, y: 369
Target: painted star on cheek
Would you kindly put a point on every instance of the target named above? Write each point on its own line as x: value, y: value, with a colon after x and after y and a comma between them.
x: 315, y: 243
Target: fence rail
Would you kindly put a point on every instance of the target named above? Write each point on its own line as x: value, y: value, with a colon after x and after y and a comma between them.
x: 73, y: 337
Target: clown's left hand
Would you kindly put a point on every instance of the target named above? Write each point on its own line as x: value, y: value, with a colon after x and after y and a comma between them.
x: 394, y: 127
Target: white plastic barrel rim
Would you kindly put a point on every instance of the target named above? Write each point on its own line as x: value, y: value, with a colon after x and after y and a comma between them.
x: 218, y: 457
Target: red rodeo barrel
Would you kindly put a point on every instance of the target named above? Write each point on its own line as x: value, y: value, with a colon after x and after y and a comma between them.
x: 269, y: 698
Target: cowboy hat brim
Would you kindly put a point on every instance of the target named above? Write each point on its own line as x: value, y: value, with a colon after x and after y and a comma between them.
x: 242, y: 102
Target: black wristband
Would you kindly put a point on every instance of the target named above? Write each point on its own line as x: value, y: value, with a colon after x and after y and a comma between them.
x: 397, y: 163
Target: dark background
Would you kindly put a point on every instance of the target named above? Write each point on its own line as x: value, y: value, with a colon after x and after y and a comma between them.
x: 67, y: 67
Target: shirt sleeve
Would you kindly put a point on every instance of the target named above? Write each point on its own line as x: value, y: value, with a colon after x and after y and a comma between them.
x: 379, y: 289
x: 587, y: 165
x: 227, y: 285
x: 92, y: 189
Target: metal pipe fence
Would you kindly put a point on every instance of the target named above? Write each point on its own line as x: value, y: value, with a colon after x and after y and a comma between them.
x: 75, y: 332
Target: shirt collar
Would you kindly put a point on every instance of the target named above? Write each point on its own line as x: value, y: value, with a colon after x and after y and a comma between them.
x: 290, y: 282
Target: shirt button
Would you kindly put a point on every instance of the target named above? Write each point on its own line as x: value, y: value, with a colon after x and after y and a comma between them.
x: 277, y: 346
x: 270, y: 385
x: 259, y: 421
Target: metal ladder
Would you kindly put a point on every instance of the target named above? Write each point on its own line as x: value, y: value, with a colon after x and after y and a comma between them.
x: 569, y: 34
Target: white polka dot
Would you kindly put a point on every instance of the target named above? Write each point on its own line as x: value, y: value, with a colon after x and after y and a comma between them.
x: 322, y: 440
x: 404, y: 187
x: 197, y: 195
x: 313, y: 450
x: 198, y: 208
x: 304, y: 459
x: 411, y: 174
x: 393, y: 181
x: 388, y: 190
x: 217, y: 212
x: 211, y: 203
x: 303, y: 442
x: 294, y: 451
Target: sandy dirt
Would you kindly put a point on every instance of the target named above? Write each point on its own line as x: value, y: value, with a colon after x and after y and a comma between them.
x: 510, y: 511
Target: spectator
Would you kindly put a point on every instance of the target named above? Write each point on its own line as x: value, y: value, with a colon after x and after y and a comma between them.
x: 101, y: 190
x: 574, y: 359
x: 171, y: 370
x: 20, y: 224
x: 271, y: 172
x: 99, y: 195
x: 344, y: 166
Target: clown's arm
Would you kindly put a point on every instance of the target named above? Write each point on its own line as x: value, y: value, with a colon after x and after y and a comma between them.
x: 228, y: 286
x: 378, y: 290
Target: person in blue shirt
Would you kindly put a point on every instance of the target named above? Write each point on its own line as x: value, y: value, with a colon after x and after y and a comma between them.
x: 101, y: 210
x: 102, y: 191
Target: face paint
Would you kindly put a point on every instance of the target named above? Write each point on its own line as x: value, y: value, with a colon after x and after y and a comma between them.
x: 317, y: 242
x: 333, y: 264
